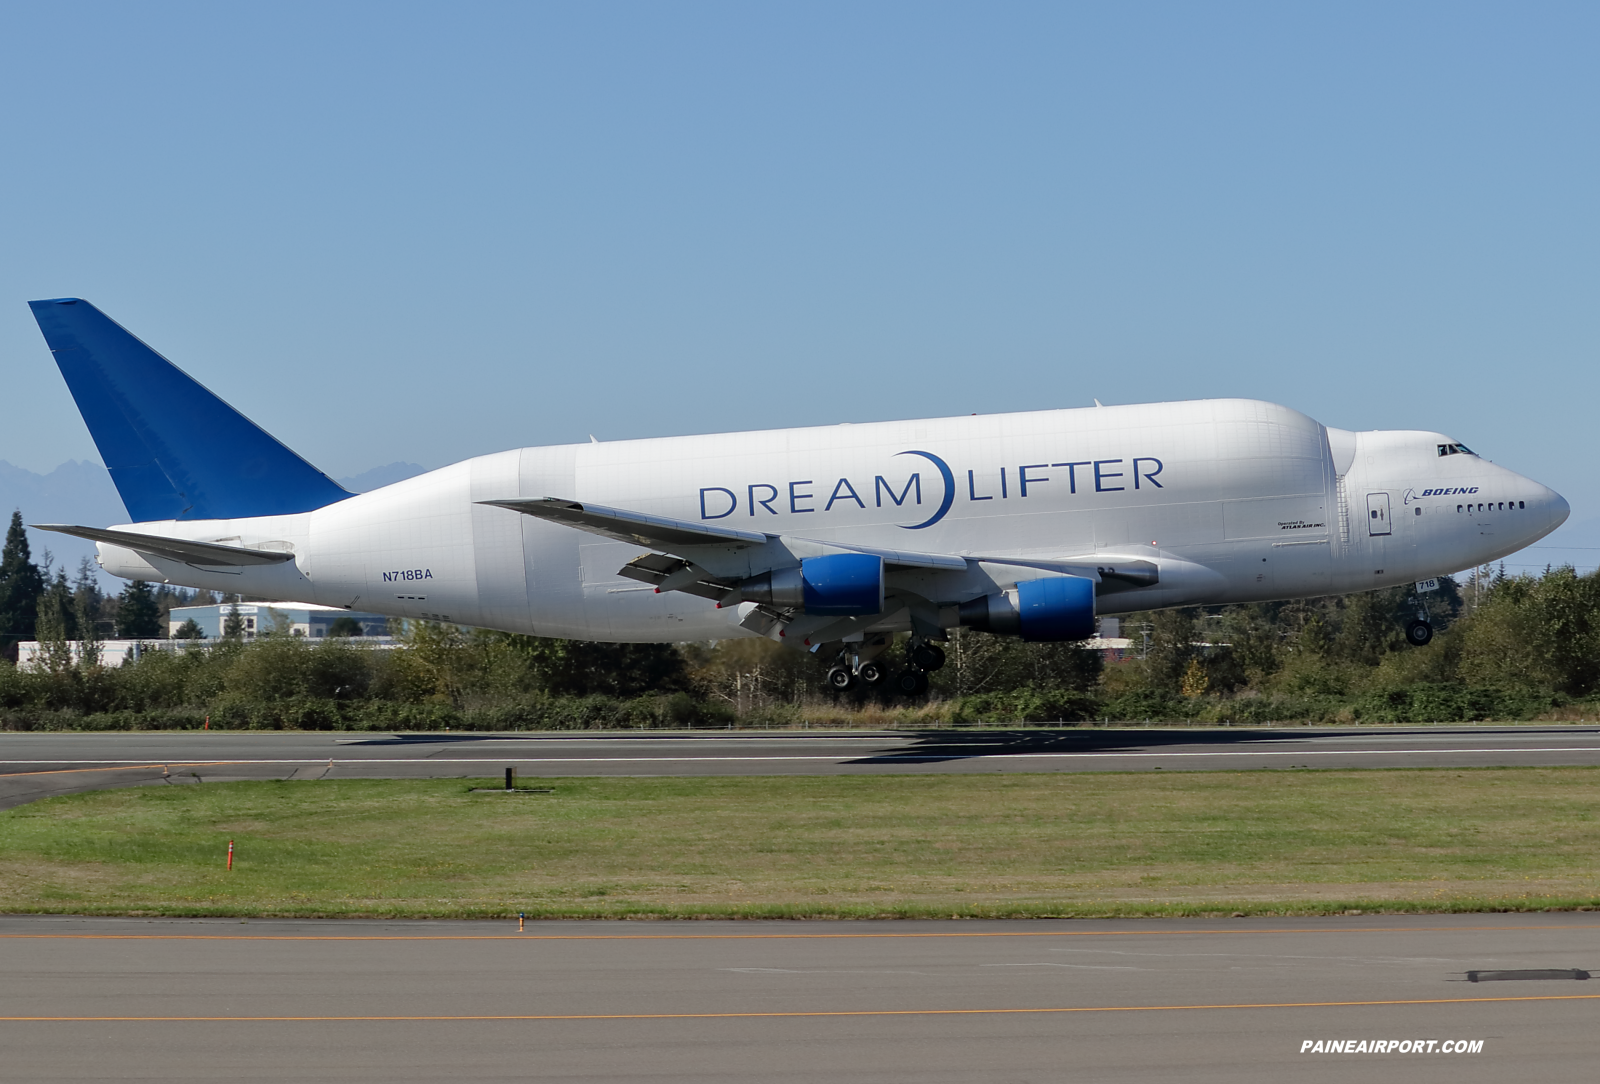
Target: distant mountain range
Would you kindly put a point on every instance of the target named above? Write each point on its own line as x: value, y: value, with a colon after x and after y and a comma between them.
x: 80, y: 491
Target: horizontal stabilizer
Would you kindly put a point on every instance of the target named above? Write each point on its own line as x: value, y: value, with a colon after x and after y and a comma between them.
x: 173, y: 549
x: 174, y: 450
x: 657, y: 532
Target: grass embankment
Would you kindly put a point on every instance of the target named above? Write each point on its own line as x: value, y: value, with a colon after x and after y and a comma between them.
x: 912, y: 846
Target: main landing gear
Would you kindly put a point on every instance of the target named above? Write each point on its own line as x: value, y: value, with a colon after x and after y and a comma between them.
x: 1419, y: 631
x: 861, y: 666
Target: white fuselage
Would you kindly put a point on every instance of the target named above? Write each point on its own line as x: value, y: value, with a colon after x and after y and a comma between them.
x: 1234, y: 501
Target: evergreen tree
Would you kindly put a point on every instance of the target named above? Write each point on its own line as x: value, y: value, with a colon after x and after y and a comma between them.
x: 58, y: 612
x: 233, y: 622
x: 138, y: 617
x: 54, y: 626
x: 89, y: 602
x: 21, y: 584
x: 88, y: 636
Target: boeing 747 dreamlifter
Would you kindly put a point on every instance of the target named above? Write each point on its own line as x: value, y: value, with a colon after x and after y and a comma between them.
x: 828, y: 539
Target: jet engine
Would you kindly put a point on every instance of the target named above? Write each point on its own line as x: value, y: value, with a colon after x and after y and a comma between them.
x: 838, y: 585
x: 1040, y: 611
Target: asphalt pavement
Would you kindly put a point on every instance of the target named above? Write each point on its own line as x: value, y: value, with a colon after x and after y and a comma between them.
x: 38, y: 765
x: 1141, y: 1000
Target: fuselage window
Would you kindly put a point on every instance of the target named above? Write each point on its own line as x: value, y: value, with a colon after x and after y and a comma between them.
x: 1458, y: 508
x: 1522, y: 504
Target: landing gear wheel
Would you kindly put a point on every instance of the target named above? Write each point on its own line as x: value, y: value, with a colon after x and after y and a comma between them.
x: 839, y: 679
x: 911, y: 683
x: 870, y: 673
x: 1419, y: 633
x: 928, y: 656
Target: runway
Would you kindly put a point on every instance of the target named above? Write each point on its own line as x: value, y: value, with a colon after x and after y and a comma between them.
x: 34, y: 766
x: 1152, y: 1000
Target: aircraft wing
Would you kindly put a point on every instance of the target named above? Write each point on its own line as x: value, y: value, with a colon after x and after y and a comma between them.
x: 173, y: 549
x: 944, y: 562
x: 1113, y: 572
x: 670, y: 535
x: 684, y: 542
x: 680, y: 572
x: 656, y: 532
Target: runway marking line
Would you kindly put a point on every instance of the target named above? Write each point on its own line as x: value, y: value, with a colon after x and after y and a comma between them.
x: 776, y: 1015
x: 730, y: 936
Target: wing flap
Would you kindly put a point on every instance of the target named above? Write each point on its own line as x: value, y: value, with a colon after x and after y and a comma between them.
x: 675, y: 574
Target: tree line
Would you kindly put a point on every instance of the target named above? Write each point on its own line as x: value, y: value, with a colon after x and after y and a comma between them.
x: 1507, y: 648
x: 39, y: 602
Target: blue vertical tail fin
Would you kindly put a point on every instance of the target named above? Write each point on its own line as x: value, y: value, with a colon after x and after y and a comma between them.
x: 175, y: 450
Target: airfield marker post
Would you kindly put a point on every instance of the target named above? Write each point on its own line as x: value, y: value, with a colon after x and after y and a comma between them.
x: 230, y: 854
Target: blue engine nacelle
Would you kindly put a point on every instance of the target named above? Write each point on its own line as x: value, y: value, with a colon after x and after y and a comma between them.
x: 838, y: 585
x: 1041, y: 611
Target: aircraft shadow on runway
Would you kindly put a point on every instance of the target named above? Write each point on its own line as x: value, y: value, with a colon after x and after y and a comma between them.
x: 936, y: 746
x: 931, y: 745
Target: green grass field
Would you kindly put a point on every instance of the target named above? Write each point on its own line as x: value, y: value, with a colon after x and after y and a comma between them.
x: 914, y: 846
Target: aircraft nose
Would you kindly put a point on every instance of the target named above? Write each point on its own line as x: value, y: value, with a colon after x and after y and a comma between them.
x: 1559, y: 509
x: 1553, y: 506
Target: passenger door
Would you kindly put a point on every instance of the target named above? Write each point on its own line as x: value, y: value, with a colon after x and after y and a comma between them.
x: 1378, y: 514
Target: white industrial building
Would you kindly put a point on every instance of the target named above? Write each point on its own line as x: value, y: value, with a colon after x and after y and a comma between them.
x: 292, y: 618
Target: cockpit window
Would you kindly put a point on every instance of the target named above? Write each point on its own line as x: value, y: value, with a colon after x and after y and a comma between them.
x: 1455, y: 449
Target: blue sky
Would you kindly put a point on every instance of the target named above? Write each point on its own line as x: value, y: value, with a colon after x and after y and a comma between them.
x: 423, y: 232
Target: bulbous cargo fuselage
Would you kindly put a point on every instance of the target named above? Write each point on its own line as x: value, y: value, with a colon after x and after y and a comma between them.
x: 1225, y: 501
